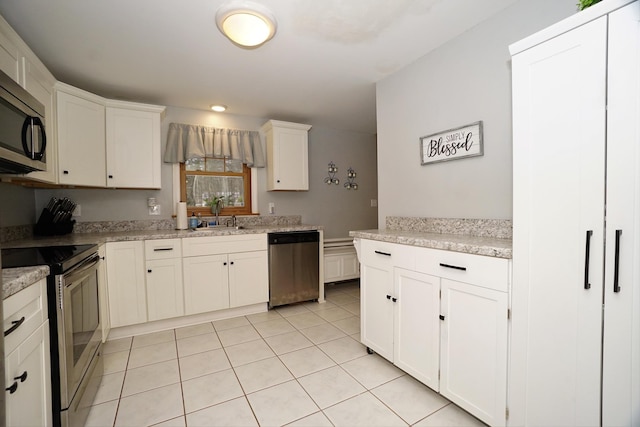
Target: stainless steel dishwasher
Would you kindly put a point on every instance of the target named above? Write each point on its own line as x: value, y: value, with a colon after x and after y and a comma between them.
x: 294, y: 267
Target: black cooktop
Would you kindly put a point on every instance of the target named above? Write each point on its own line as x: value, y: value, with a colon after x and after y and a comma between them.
x: 58, y: 258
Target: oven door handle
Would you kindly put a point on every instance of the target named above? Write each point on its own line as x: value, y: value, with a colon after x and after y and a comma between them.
x: 81, y: 268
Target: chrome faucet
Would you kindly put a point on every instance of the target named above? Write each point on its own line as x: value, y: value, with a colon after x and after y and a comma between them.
x: 233, y: 221
x: 219, y: 205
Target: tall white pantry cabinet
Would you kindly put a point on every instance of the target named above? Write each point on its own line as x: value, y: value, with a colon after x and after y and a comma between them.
x: 575, y: 341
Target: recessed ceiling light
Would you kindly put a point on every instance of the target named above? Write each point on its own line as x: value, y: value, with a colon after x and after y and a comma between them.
x: 245, y: 23
x: 219, y: 108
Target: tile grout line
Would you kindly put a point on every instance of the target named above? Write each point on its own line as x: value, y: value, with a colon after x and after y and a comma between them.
x: 115, y: 417
x: 263, y: 339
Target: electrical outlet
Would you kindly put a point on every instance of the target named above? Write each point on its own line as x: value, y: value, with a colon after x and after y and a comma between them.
x: 154, y: 207
x: 374, y: 203
x: 77, y: 211
x: 272, y: 208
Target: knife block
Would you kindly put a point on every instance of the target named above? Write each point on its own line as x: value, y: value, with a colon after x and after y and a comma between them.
x: 46, y: 226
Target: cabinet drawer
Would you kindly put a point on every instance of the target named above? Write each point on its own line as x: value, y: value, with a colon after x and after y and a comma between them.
x: 213, y: 245
x: 29, y: 304
x: 387, y: 254
x: 488, y: 272
x: 162, y: 249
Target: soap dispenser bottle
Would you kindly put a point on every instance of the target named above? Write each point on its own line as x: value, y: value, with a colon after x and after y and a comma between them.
x: 193, y: 221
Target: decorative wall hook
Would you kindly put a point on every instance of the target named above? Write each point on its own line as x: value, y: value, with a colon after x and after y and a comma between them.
x: 332, y: 170
x: 351, y: 176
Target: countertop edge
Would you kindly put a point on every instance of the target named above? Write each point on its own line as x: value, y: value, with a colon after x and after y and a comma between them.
x: 16, y: 279
x: 99, y: 238
x: 486, y: 246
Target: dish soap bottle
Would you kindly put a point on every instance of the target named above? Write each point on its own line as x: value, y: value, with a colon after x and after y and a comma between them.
x: 193, y: 221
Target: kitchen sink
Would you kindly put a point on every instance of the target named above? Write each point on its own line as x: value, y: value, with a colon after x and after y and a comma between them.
x: 218, y: 228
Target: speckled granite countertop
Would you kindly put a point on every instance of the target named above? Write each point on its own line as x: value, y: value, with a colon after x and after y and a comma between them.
x: 122, y: 236
x: 16, y: 279
x: 477, y: 245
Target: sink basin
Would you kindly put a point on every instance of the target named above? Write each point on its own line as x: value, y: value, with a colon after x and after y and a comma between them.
x: 218, y: 228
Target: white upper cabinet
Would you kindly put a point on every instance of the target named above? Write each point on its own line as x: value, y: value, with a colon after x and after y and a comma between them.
x: 22, y: 65
x: 104, y: 143
x: 9, y: 51
x: 81, y: 137
x: 91, y: 141
x: 133, y: 145
x: 287, y: 155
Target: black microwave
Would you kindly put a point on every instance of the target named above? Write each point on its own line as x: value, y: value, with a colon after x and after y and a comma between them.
x: 22, y: 134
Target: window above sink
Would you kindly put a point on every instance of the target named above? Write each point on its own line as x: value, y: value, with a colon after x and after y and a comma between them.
x: 208, y: 179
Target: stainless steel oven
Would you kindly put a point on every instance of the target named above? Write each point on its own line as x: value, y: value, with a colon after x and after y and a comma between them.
x: 74, y: 325
x: 79, y: 338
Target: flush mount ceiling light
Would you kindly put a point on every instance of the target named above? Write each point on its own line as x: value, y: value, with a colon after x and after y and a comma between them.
x: 219, y: 108
x: 245, y: 23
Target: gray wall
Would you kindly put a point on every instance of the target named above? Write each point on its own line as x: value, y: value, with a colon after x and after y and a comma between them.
x: 464, y: 81
x: 17, y: 205
x: 337, y: 209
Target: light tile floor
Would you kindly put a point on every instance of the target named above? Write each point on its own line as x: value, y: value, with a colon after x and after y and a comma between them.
x: 298, y: 365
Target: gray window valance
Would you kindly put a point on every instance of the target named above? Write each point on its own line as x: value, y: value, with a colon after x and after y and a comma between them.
x: 189, y: 141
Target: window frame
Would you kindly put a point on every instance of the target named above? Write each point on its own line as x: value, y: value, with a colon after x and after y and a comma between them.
x: 226, y: 211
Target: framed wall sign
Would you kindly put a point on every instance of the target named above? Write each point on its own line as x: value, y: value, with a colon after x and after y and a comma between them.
x: 452, y: 144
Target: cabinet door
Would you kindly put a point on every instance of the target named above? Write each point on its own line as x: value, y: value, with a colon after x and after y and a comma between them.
x: 103, y: 293
x: 81, y: 141
x: 133, y: 148
x: 30, y: 403
x: 332, y: 268
x: 340, y: 266
x: 126, y: 283
x: 417, y: 325
x: 621, y: 365
x: 9, y: 52
x: 206, y: 283
x: 164, y: 289
x: 290, y: 159
x: 473, y: 344
x: 287, y: 155
x: 248, y: 278
x: 376, y: 309
x: 558, y: 181
x: 350, y: 266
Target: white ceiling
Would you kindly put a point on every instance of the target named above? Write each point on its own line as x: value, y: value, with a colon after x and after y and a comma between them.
x: 321, y: 66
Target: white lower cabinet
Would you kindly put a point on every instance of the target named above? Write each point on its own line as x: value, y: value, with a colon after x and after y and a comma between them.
x: 340, y: 264
x: 206, y: 282
x: 225, y: 272
x: 165, y: 292
x: 248, y: 278
x: 376, y: 311
x: 27, y: 358
x: 126, y: 283
x: 169, y: 278
x: 416, y: 299
x: 103, y: 293
x: 473, y: 349
x: 441, y: 317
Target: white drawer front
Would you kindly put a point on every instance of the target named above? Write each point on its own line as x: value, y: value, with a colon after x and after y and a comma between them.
x: 488, y: 272
x: 162, y: 249
x: 30, y: 304
x: 212, y: 245
x: 389, y: 254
